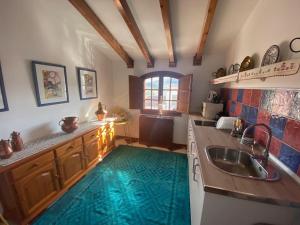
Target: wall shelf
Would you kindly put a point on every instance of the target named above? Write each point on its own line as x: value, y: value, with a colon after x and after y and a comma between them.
x: 285, y: 68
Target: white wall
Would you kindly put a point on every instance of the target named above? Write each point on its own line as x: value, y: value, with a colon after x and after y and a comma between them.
x: 271, y: 22
x: 201, y: 76
x: 43, y: 30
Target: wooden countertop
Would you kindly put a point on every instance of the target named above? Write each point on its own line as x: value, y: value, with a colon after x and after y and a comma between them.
x: 284, y: 192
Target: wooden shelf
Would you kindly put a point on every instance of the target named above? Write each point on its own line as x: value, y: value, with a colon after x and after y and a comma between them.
x: 285, y: 68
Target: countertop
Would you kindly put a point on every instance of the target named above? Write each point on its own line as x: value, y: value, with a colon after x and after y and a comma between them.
x: 284, y: 192
x: 40, y: 145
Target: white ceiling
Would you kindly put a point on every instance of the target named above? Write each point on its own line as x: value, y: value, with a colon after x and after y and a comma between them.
x: 187, y: 18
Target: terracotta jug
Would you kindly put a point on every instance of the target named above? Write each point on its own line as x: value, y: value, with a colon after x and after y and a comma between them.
x: 69, y: 124
x: 16, y: 141
x: 5, y: 149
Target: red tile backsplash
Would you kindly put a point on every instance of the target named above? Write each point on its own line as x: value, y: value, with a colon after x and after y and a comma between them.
x: 275, y: 146
x: 277, y: 108
x: 247, y: 97
x: 234, y: 94
x: 255, y: 98
x: 292, y: 134
x: 238, y: 109
x: 263, y: 117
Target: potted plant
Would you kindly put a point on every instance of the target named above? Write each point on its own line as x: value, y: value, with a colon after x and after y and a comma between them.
x: 100, y: 112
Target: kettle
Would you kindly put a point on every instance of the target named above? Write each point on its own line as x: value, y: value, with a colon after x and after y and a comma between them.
x: 5, y: 149
x: 16, y: 141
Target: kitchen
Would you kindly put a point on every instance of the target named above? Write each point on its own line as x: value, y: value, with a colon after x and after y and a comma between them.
x: 109, y: 112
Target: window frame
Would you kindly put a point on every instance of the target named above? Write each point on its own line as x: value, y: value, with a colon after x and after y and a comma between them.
x: 160, y: 75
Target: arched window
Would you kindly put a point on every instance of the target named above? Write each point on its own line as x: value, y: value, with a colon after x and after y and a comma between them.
x: 160, y: 92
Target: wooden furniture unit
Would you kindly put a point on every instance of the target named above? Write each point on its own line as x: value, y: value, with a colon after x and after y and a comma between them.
x: 71, y: 161
x: 91, y: 147
x: 156, y: 131
x: 32, y: 184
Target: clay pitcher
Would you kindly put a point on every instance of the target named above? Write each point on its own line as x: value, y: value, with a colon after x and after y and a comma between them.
x: 5, y: 149
x: 16, y: 141
x: 69, y: 124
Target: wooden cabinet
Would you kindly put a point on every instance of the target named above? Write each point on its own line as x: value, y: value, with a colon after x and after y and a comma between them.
x: 71, y: 161
x: 91, y: 147
x: 156, y: 131
x: 37, y: 188
x: 28, y: 187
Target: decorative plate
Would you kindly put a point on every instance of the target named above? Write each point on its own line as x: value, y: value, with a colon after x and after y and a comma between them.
x: 247, y: 64
x: 236, y: 68
x: 271, y: 56
x: 230, y: 69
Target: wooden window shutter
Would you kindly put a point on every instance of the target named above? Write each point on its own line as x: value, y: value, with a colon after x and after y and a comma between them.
x: 184, y: 93
x: 135, y: 92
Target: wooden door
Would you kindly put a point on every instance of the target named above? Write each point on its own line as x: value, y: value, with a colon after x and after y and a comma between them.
x: 38, y: 188
x: 184, y: 93
x: 91, y: 151
x: 71, y: 165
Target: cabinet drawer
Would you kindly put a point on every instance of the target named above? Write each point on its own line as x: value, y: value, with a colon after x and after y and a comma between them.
x: 70, y: 146
x: 33, y: 165
x: 90, y: 136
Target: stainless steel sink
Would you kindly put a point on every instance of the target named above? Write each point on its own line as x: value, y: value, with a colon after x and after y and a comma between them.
x: 239, y: 163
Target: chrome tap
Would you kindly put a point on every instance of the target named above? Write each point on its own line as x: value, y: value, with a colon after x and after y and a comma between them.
x: 265, y: 156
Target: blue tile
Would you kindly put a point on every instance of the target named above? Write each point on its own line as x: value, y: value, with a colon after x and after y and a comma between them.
x: 240, y: 95
x: 245, y: 112
x: 232, y: 107
x: 252, y: 114
x: 278, y: 124
x: 290, y: 157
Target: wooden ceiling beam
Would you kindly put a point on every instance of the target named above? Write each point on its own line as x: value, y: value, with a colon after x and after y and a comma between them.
x: 129, y: 20
x: 165, y: 12
x: 207, y: 23
x: 93, y: 19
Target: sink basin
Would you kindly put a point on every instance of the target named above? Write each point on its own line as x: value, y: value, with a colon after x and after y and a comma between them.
x: 239, y: 163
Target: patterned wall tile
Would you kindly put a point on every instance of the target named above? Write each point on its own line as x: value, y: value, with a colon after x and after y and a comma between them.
x: 292, y: 133
x: 240, y: 95
x: 234, y: 94
x: 255, y: 98
x: 295, y: 105
x: 252, y: 116
x: 267, y: 99
x: 290, y: 157
x: 232, y: 108
x: 245, y: 112
x: 281, y: 103
x: 275, y: 146
x: 277, y: 125
x: 263, y: 117
x: 238, y: 109
x: 228, y: 106
x: 247, y: 96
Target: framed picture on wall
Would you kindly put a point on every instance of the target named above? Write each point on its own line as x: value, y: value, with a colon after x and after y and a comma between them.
x: 87, y: 81
x: 50, y: 81
x: 3, y: 99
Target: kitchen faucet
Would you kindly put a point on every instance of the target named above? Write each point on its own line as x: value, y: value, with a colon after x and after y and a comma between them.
x: 265, y: 156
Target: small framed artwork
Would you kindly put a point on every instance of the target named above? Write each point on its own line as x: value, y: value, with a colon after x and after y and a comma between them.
x: 50, y: 81
x: 3, y: 99
x: 87, y: 80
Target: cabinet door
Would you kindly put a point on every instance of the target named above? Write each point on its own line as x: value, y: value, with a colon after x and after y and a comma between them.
x: 91, y: 151
x: 71, y: 165
x: 38, y: 188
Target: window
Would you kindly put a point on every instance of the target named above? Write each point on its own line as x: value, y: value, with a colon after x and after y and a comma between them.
x: 161, y: 92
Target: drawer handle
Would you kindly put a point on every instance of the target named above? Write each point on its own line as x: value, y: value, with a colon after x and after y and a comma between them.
x: 75, y: 155
x: 45, y: 174
x: 194, y: 172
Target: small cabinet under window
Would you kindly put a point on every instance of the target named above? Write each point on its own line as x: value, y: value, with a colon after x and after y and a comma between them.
x: 156, y: 131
